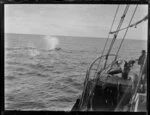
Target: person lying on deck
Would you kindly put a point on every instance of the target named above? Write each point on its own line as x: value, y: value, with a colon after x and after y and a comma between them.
x: 120, y: 68
x: 116, y: 68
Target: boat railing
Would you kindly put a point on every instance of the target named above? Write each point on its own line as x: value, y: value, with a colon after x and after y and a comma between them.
x: 99, y: 68
x: 134, y: 97
x: 95, y: 69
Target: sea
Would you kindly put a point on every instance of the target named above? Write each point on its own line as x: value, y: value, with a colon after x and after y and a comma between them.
x: 44, y: 72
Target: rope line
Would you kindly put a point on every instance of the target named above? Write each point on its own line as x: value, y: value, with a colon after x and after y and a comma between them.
x: 125, y: 32
x: 135, y: 24
x: 121, y: 21
x: 108, y: 37
x: 110, y: 48
x: 115, y: 35
x: 110, y: 29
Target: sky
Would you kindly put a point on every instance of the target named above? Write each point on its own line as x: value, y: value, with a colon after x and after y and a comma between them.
x: 87, y: 20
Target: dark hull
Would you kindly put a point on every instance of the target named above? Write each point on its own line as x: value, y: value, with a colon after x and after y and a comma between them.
x: 110, y: 90
x: 105, y: 99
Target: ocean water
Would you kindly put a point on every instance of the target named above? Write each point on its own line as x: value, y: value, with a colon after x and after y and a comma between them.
x: 38, y: 77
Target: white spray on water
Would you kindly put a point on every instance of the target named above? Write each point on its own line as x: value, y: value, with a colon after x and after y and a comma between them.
x: 49, y: 43
x: 34, y: 52
x: 52, y: 42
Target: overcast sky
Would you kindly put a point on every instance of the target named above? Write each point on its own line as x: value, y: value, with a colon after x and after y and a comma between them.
x: 71, y: 19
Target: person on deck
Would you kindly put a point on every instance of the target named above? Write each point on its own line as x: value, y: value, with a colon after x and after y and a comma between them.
x: 126, y: 70
x: 142, y: 58
x: 143, y: 83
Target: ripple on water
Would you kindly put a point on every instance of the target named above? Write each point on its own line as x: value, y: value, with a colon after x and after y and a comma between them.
x: 10, y: 77
x: 63, y: 98
x: 25, y: 105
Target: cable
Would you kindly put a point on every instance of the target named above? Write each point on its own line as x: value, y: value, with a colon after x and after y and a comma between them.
x: 110, y: 29
x: 115, y: 35
x: 121, y: 21
x: 108, y: 36
x: 125, y: 33
x: 138, y: 22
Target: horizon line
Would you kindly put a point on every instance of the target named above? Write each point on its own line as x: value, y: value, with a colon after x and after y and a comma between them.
x: 72, y: 36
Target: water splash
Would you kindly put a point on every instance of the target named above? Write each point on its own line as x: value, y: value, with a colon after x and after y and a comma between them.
x: 34, y: 52
x: 52, y: 42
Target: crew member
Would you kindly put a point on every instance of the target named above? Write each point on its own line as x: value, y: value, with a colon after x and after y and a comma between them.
x: 126, y: 70
x: 142, y: 58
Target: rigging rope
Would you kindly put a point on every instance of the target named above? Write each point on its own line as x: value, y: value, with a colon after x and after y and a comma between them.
x: 115, y: 35
x: 125, y: 32
x: 113, y: 40
x: 110, y: 29
x: 107, y: 38
x: 135, y: 24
